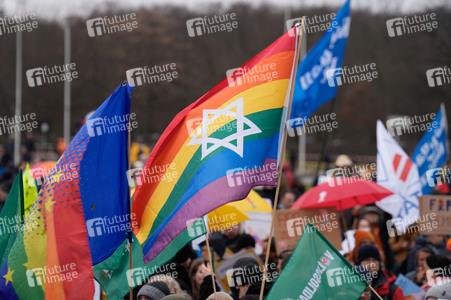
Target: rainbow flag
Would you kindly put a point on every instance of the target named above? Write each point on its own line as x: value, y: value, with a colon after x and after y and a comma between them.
x: 216, y: 149
x: 81, y: 214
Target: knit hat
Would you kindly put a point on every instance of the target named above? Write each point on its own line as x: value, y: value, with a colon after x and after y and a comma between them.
x: 360, y: 235
x: 221, y: 296
x: 249, y: 265
x: 155, y: 290
x: 440, y: 291
x: 174, y: 297
x: 368, y: 251
x: 438, y: 261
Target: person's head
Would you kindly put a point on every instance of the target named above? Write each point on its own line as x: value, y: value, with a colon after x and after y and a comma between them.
x: 220, y: 296
x: 218, y: 248
x: 370, y: 258
x: 283, y: 259
x: 173, y: 285
x: 232, y: 232
x: 372, y: 214
x: 245, y: 241
x: 363, y: 238
x: 195, y: 273
x: 364, y: 225
x: 183, y: 256
x: 421, y: 255
x: 287, y: 199
x: 437, y: 266
x: 435, y: 239
x: 272, y: 250
x: 153, y: 291
x: 440, y: 291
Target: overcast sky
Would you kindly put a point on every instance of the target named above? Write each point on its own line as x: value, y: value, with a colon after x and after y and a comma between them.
x: 57, y: 9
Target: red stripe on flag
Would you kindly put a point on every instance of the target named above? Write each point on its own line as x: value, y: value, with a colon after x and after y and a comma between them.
x: 396, y: 161
x: 406, y: 170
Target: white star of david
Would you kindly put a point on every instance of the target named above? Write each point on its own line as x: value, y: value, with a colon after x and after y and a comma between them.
x: 226, y: 142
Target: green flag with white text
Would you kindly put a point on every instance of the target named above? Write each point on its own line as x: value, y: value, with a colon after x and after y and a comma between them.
x: 316, y: 270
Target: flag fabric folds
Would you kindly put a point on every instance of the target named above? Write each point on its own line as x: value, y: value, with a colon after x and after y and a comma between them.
x: 11, y: 217
x: 397, y: 172
x: 29, y: 189
x: 325, y: 274
x: 432, y: 151
x: 317, y: 76
x: 216, y: 149
x: 80, y: 215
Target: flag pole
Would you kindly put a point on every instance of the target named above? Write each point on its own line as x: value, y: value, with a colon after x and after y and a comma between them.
x: 345, y: 227
x: 374, y: 291
x: 279, y: 173
x: 130, y: 237
x: 210, y: 257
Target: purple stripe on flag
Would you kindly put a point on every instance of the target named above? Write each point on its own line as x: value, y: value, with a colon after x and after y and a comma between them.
x: 235, y: 186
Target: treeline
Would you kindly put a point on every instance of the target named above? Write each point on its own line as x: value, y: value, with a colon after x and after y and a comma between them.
x: 160, y: 37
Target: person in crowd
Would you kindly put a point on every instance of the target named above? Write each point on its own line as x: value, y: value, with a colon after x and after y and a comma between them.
x: 245, y: 241
x: 220, y: 296
x: 361, y: 238
x: 181, y: 263
x: 439, y: 292
x: 283, y: 259
x: 153, y: 291
x: 438, y: 270
x: 217, y: 246
x: 287, y: 200
x: 401, y: 245
x: 206, y: 288
x: 173, y: 285
x: 379, y: 230
x: 272, y: 259
x: 230, y: 236
x: 246, y: 287
x: 177, y: 297
x: 197, y: 272
x: 418, y: 276
x: 383, y: 280
x: 434, y: 241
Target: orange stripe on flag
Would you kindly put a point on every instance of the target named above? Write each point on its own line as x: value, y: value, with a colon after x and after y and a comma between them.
x: 396, y: 161
x: 406, y: 170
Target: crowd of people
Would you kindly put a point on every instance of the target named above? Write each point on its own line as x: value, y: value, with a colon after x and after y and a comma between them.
x: 423, y: 259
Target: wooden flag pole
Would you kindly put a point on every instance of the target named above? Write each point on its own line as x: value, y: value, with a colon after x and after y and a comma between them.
x: 279, y: 173
x: 211, y: 264
x: 375, y: 293
x: 130, y: 238
x: 345, y: 227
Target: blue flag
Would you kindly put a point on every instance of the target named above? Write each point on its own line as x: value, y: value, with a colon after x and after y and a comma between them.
x: 312, y: 88
x: 432, y: 151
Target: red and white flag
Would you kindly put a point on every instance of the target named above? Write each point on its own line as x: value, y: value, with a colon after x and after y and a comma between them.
x: 397, y: 172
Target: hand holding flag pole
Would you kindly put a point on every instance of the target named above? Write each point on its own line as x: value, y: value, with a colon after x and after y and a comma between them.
x: 279, y: 173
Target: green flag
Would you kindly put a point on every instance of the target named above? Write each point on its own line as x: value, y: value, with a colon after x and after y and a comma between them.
x: 115, y: 275
x: 316, y: 270
x: 29, y: 189
x: 11, y: 217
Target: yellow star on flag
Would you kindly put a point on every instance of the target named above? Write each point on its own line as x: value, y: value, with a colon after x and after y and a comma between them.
x: 8, y: 276
x: 48, y: 205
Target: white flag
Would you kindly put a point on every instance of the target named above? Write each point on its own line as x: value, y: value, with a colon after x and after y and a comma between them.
x: 397, y: 172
